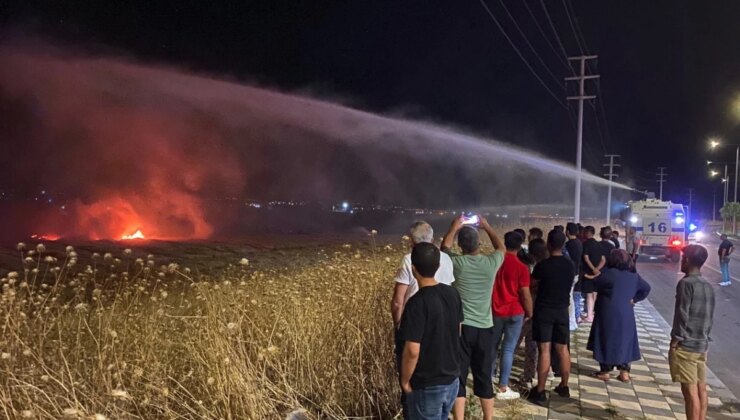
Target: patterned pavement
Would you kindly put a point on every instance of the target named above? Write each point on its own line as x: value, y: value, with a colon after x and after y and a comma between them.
x: 650, y: 394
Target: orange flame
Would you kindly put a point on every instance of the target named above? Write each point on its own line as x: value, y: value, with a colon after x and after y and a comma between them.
x: 135, y: 235
x: 46, y: 237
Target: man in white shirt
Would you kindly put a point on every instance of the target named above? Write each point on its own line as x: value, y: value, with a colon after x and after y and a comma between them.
x: 406, y: 285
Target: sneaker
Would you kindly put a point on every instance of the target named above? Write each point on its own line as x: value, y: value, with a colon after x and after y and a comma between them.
x: 563, y: 391
x: 507, y: 395
x: 725, y: 283
x: 537, y: 397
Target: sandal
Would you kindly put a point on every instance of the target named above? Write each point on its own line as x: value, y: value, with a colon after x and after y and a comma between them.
x: 624, y: 377
x: 604, y: 376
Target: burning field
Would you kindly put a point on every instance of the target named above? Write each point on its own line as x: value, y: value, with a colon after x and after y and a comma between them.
x: 144, y: 330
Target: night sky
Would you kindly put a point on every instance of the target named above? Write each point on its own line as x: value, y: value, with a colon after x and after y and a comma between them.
x: 670, y: 70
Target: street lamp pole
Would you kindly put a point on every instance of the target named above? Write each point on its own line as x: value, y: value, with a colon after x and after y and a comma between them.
x: 737, y: 160
x: 727, y: 190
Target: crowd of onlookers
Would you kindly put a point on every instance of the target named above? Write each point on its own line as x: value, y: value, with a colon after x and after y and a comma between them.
x: 467, y: 311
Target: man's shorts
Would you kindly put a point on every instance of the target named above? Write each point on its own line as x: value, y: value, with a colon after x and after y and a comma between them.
x: 688, y: 367
x: 477, y: 355
x: 551, y: 325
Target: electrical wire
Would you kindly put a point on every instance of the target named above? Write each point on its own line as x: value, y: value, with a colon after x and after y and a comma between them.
x: 573, y: 28
x: 547, y: 39
x: 526, y: 63
x: 557, y: 37
x: 518, y: 28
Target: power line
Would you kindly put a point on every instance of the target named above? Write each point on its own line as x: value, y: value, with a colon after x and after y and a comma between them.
x: 600, y: 96
x: 526, y: 63
x: 573, y: 28
x: 578, y: 27
x: 557, y: 37
x: 506, y: 9
x: 598, y: 127
x: 547, y: 39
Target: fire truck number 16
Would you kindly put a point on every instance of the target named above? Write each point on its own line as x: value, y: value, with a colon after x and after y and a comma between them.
x: 662, y: 227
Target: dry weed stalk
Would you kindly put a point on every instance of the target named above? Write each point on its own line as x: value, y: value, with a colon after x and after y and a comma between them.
x: 124, y: 338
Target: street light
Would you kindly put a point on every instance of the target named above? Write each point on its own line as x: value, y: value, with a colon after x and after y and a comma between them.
x: 724, y: 180
x: 715, y: 142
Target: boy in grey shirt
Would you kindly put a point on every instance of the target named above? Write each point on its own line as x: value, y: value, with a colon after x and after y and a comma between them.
x: 692, y: 322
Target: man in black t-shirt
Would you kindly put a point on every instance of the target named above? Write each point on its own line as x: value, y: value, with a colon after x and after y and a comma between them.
x: 430, y: 329
x: 554, y: 277
x: 607, y: 244
x: 615, y: 238
x: 593, y: 261
x: 725, y: 249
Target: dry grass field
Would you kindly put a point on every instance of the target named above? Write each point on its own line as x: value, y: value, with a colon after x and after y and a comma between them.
x: 196, y: 331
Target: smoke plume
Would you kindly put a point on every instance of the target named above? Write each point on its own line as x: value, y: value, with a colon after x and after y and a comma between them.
x: 130, y: 147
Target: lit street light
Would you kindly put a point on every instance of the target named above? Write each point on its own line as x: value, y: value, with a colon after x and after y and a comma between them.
x: 713, y: 173
x: 714, y: 142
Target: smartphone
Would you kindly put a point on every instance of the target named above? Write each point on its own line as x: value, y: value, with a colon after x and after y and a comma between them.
x: 470, y: 219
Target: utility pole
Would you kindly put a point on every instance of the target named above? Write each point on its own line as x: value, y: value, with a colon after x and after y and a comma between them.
x: 661, y: 179
x: 579, y: 146
x: 611, y: 175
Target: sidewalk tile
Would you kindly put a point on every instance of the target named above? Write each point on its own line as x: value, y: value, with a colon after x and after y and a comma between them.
x: 654, y: 404
x: 626, y: 405
x: 647, y: 390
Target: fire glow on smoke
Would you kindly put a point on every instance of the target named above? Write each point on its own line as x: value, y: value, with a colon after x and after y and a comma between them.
x: 139, y: 157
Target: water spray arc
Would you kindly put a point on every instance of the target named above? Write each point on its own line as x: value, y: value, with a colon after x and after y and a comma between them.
x: 163, y: 139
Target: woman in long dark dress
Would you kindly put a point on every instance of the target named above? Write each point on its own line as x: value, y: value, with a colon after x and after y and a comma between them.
x: 613, y: 338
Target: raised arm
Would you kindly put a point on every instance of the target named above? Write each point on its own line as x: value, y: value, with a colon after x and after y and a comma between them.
x: 450, y: 235
x: 498, y: 244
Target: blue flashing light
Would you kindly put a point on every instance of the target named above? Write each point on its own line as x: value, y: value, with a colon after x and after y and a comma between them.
x: 693, y: 227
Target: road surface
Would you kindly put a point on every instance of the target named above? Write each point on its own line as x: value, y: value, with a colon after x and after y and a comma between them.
x: 724, y: 351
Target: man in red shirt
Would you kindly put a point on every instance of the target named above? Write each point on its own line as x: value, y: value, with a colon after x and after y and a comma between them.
x: 511, y: 303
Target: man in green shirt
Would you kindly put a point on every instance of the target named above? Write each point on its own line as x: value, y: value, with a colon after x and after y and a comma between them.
x: 474, y: 274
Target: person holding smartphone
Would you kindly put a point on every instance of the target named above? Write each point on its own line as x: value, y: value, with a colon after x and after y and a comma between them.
x: 474, y: 273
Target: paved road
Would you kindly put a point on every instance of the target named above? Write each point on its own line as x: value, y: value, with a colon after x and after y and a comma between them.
x: 724, y: 352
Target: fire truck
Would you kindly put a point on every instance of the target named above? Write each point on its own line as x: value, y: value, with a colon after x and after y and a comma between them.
x: 660, y: 226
